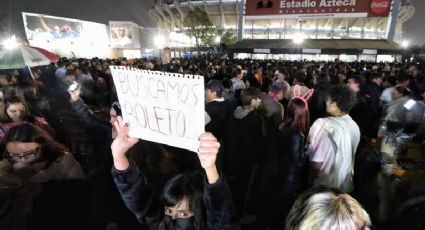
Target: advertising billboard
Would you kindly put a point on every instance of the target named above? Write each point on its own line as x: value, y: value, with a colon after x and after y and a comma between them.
x: 65, y: 36
x: 122, y: 34
x: 50, y: 29
x: 270, y: 9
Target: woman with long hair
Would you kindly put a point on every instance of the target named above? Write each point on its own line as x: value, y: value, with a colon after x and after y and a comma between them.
x: 37, y: 165
x: 292, y: 160
x: 16, y: 111
x: 32, y: 155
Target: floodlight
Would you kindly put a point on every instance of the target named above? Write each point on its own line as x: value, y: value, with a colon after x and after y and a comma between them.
x: 159, y: 41
x: 298, y: 38
x: 405, y: 43
x: 11, y: 43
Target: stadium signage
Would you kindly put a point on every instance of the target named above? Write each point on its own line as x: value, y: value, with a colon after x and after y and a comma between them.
x: 270, y: 9
x: 312, y: 3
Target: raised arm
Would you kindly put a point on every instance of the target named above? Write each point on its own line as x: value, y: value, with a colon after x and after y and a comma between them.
x: 137, y: 194
x: 221, y: 212
x: 207, y: 154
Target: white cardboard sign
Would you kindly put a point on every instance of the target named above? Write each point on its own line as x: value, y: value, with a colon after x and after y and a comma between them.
x: 162, y: 107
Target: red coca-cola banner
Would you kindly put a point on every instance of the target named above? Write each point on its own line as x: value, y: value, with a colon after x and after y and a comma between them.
x: 317, y: 8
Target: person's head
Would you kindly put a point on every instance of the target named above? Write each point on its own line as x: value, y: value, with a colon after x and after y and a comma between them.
x: 400, y: 91
x: 83, y: 69
x: 182, y: 200
x: 114, y: 112
x: 278, y: 90
x: 412, y: 70
x: 214, y: 89
x: 403, y: 80
x: 341, y: 77
x: 322, y: 81
x: 377, y: 78
x: 227, y: 84
x: 297, y: 115
x: 250, y: 97
x: 299, y: 78
x: 27, y: 91
x: 15, y: 109
x: 339, y: 100
x: 353, y: 83
x: 323, y: 209
x: 282, y: 75
x: 4, y: 78
x: 238, y: 73
x: 70, y: 75
x: 26, y: 143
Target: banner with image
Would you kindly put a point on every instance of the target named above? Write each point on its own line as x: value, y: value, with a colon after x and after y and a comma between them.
x: 43, y: 28
x: 162, y: 107
x: 275, y: 9
x: 122, y: 34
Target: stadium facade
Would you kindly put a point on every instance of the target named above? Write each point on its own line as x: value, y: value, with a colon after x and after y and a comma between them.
x: 325, y: 20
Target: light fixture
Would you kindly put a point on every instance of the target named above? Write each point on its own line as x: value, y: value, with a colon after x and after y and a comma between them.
x: 159, y: 41
x: 405, y: 43
x: 11, y: 43
x: 298, y: 38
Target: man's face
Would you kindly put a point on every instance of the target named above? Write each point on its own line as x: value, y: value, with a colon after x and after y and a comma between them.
x: 353, y: 85
x: 412, y: 70
x: 255, y: 103
x: 378, y: 80
x: 280, y: 95
x: 210, y: 95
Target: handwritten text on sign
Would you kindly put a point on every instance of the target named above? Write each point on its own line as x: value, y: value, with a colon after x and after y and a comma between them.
x: 162, y: 107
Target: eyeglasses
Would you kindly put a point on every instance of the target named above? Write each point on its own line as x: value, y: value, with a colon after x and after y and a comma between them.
x: 26, y: 155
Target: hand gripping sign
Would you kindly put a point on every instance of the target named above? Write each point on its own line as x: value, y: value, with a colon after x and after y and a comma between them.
x: 162, y: 107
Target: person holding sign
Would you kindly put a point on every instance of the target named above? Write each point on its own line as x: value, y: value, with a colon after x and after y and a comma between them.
x: 187, y: 200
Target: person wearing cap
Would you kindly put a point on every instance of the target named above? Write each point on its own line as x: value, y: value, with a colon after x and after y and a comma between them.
x: 217, y: 108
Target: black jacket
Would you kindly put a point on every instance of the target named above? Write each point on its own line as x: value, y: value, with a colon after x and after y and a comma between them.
x: 244, y: 141
x: 219, y: 113
x: 140, y: 198
x: 293, y: 161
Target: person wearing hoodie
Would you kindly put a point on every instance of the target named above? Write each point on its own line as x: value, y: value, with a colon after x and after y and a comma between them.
x: 247, y: 127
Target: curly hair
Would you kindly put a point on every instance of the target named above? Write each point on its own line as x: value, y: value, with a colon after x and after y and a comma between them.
x: 343, y: 97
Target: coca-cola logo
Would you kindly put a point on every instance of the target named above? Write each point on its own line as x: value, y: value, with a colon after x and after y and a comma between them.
x: 380, y: 7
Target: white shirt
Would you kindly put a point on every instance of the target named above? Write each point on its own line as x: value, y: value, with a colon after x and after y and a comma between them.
x: 237, y: 84
x: 386, y: 95
x: 333, y: 142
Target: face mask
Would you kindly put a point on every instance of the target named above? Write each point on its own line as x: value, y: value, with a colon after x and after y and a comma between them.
x: 179, y: 224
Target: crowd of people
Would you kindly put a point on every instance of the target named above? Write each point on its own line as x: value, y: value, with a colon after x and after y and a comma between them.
x: 288, y: 145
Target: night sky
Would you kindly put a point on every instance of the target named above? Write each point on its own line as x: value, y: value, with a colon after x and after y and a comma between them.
x: 103, y: 11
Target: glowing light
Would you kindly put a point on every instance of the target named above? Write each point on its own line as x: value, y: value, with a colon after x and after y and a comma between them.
x: 405, y: 43
x: 11, y: 43
x: 217, y: 39
x: 298, y: 38
x: 159, y: 41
